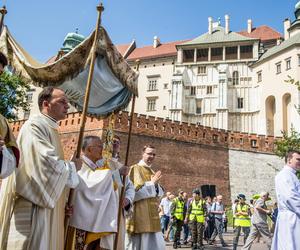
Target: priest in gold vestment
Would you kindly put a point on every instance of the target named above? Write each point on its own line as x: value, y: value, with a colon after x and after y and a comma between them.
x: 32, y: 202
x: 143, y: 227
x: 9, y: 153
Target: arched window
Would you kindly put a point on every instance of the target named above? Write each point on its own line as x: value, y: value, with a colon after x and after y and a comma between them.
x: 235, y: 78
x: 270, y: 113
x: 286, y: 106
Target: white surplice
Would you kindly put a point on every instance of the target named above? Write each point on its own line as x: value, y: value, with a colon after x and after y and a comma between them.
x: 287, y: 231
x: 33, y: 198
x: 96, y: 201
x: 8, y: 164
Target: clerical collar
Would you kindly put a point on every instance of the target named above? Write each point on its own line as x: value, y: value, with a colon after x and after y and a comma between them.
x: 89, y: 162
x: 51, y: 121
x: 142, y: 163
x: 290, y: 169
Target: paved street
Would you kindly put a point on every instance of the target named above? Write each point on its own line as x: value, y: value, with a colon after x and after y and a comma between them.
x: 228, y: 239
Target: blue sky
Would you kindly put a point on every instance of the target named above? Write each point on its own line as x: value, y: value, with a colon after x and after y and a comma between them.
x: 40, y: 26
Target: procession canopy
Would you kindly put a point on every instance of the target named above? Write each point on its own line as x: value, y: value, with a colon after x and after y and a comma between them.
x: 113, y: 82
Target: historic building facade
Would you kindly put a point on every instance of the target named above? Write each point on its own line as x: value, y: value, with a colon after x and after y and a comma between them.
x: 222, y: 79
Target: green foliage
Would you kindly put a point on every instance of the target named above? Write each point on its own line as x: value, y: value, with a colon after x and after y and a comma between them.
x: 289, y: 142
x: 13, y: 92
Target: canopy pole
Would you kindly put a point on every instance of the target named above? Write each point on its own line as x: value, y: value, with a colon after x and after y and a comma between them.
x: 126, y: 163
x: 3, y: 12
x: 100, y: 9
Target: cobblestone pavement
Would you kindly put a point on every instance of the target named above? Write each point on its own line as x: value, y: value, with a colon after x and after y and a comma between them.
x: 228, y: 239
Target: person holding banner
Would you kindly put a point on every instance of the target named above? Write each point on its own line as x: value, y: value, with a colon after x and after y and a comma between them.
x: 32, y: 205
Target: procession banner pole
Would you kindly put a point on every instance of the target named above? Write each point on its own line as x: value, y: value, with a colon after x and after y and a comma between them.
x: 100, y: 9
x: 126, y: 163
x: 3, y: 12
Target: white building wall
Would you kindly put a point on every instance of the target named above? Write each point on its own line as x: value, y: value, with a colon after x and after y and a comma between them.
x: 274, y: 84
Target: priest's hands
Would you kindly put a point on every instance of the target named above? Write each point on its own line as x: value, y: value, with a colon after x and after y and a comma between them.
x: 77, y: 161
x: 156, y: 177
x: 124, y: 170
x: 1, y: 143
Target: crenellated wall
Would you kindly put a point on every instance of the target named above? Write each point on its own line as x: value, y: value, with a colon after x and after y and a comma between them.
x: 188, y: 155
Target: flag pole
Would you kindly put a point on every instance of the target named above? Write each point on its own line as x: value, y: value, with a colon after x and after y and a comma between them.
x: 100, y: 9
x: 122, y: 195
x: 3, y: 12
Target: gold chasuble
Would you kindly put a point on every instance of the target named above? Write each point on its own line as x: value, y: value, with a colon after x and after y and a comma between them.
x: 32, y: 202
x: 6, y: 133
x: 144, y: 210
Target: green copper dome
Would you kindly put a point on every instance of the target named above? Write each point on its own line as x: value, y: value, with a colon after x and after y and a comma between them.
x: 297, y: 10
x: 71, y: 41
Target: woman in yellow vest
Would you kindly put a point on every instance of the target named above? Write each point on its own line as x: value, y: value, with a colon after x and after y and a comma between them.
x: 196, y: 217
x: 242, y: 220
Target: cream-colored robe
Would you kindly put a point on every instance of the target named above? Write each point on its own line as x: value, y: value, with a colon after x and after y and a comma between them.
x: 33, y: 198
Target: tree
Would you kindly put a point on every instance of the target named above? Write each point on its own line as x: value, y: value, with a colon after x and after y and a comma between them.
x: 13, y: 95
x: 288, y: 142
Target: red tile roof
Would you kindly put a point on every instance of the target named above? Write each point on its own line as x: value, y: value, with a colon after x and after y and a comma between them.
x: 264, y: 33
x: 164, y: 49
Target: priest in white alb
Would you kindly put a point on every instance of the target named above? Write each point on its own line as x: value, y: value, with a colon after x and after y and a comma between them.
x: 33, y: 198
x: 143, y: 227
x: 95, y: 209
x: 287, y: 185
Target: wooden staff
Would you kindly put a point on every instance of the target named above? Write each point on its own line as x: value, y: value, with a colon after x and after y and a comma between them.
x: 126, y: 163
x: 100, y: 9
x: 3, y: 12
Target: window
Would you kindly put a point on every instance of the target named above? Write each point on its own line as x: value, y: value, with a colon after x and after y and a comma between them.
x: 288, y: 63
x: 202, y: 55
x: 240, y: 102
x: 217, y: 54
x: 298, y: 60
x: 235, y: 78
x: 231, y: 53
x: 209, y: 90
x: 259, y: 76
x: 26, y: 115
x: 165, y: 86
x: 152, y: 84
x: 151, y: 104
x: 188, y: 55
x: 246, y: 52
x: 29, y: 97
x: 202, y: 70
x: 193, y: 90
x: 198, y: 106
x: 278, y: 68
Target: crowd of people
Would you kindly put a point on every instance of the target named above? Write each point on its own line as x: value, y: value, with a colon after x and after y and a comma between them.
x: 36, y: 179
x: 190, y: 221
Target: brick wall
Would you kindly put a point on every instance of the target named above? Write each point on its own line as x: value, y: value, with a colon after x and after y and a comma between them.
x: 187, y: 154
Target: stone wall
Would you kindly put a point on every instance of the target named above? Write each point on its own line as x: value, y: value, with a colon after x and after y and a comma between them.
x: 252, y: 172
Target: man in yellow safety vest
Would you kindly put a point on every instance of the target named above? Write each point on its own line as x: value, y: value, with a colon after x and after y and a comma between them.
x: 177, y: 216
x: 242, y: 220
x: 196, y: 216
